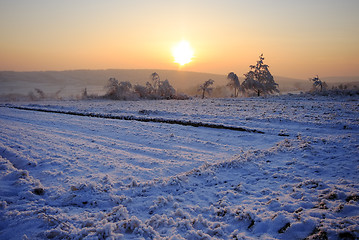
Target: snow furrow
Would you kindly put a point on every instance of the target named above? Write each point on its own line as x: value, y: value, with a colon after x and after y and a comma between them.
x: 134, y: 118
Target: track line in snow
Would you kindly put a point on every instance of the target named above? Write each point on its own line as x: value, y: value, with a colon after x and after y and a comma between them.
x: 157, y: 120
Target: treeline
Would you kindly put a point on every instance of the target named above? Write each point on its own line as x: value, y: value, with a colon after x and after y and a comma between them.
x: 258, y: 81
x: 156, y: 89
x: 321, y: 88
x: 36, y: 95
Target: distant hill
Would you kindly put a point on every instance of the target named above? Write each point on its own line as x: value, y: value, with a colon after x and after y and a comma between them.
x: 292, y: 84
x: 338, y: 80
x: 350, y: 82
x: 72, y: 82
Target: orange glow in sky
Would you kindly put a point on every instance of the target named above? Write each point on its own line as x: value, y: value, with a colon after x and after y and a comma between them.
x: 298, y: 38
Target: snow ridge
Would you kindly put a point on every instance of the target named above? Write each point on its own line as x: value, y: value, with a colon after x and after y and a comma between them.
x: 157, y: 120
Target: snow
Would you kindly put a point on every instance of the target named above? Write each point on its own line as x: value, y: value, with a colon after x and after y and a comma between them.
x: 80, y: 177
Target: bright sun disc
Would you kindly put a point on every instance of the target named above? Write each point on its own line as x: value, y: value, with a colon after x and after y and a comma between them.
x: 182, y: 53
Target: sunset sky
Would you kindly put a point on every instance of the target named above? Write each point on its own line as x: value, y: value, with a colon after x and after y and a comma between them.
x: 299, y: 39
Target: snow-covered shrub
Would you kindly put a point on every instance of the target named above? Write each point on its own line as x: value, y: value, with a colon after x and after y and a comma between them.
x: 117, y: 214
x: 158, y: 221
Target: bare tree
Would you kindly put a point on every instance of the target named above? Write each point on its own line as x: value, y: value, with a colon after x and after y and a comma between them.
x: 234, y: 83
x: 205, y: 87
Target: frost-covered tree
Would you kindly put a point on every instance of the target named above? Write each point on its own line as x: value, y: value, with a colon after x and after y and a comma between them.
x: 119, y: 90
x: 317, y: 83
x: 151, y: 91
x: 156, y: 81
x: 40, y: 93
x: 251, y: 83
x: 259, y: 79
x: 205, y: 87
x: 234, y: 83
x: 141, y: 91
x: 165, y: 90
x: 147, y: 91
x: 160, y: 89
x: 111, y: 87
x: 124, y: 90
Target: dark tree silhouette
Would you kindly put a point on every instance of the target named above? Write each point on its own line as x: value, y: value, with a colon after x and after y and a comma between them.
x: 112, y: 87
x: 205, y: 87
x: 84, y: 94
x: 40, y: 93
x: 156, y: 81
x: 318, y: 83
x: 234, y: 83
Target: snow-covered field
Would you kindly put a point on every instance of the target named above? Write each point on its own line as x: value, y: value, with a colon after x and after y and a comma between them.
x: 77, y: 177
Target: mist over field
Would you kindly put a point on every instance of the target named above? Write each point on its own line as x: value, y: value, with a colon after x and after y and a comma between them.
x: 71, y: 83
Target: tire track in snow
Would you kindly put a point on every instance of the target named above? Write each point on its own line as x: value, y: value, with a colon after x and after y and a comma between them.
x: 133, y: 118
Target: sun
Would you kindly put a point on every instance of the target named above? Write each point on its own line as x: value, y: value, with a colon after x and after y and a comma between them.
x: 182, y: 53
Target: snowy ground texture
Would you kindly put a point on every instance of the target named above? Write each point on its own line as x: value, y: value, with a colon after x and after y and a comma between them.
x: 78, y: 177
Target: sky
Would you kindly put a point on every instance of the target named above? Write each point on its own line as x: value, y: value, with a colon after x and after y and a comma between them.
x: 299, y: 39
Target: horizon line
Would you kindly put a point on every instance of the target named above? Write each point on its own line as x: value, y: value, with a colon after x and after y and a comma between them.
x: 159, y: 69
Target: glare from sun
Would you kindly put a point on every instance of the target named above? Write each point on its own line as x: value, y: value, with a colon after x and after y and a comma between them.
x: 182, y: 53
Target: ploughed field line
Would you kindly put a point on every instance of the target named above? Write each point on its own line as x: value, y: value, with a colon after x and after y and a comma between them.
x: 139, y: 119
